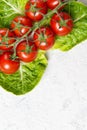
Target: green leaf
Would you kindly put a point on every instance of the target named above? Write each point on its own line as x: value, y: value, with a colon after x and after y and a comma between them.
x: 78, y: 12
x: 26, y: 78
x: 29, y: 74
x: 9, y: 9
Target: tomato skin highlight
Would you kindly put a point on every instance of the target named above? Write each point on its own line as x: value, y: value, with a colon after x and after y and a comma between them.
x: 61, y: 29
x: 21, y: 25
x: 26, y: 56
x: 40, y: 7
x: 7, y: 65
x: 5, y: 33
x: 46, y: 43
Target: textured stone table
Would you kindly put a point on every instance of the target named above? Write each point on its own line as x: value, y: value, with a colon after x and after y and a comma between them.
x: 84, y: 1
x: 59, y: 102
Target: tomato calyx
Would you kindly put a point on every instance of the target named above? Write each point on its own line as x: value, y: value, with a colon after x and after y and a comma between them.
x: 33, y: 8
x: 13, y: 57
x: 19, y: 26
x: 28, y: 49
x: 62, y: 22
x: 5, y: 41
x: 42, y: 37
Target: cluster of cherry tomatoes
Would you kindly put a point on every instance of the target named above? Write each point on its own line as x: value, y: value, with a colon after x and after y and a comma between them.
x: 21, y: 42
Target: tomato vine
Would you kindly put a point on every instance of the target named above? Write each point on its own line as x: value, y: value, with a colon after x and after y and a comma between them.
x: 31, y: 32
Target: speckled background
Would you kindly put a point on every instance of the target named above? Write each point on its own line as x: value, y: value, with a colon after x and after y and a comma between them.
x: 59, y: 102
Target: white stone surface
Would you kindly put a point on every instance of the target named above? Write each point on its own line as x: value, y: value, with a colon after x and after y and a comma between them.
x: 59, y: 102
x: 84, y: 1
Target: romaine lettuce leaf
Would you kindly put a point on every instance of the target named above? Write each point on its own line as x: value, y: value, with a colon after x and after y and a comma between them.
x: 9, y: 9
x: 29, y: 74
x: 26, y: 78
x: 78, y: 12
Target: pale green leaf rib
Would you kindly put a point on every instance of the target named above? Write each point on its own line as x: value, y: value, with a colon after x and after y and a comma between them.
x: 13, y: 7
x: 10, y: 9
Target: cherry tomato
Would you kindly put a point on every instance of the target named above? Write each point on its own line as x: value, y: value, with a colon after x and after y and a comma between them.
x: 52, y: 4
x: 26, y: 51
x: 7, y: 65
x: 7, y: 38
x: 35, y: 9
x: 61, y: 23
x: 21, y: 25
x: 44, y: 38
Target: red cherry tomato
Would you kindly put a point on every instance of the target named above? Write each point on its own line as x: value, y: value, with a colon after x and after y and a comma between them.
x: 7, y: 38
x: 26, y: 52
x: 52, y: 4
x: 21, y: 25
x: 7, y: 65
x: 44, y: 38
x: 35, y: 9
x: 61, y: 23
